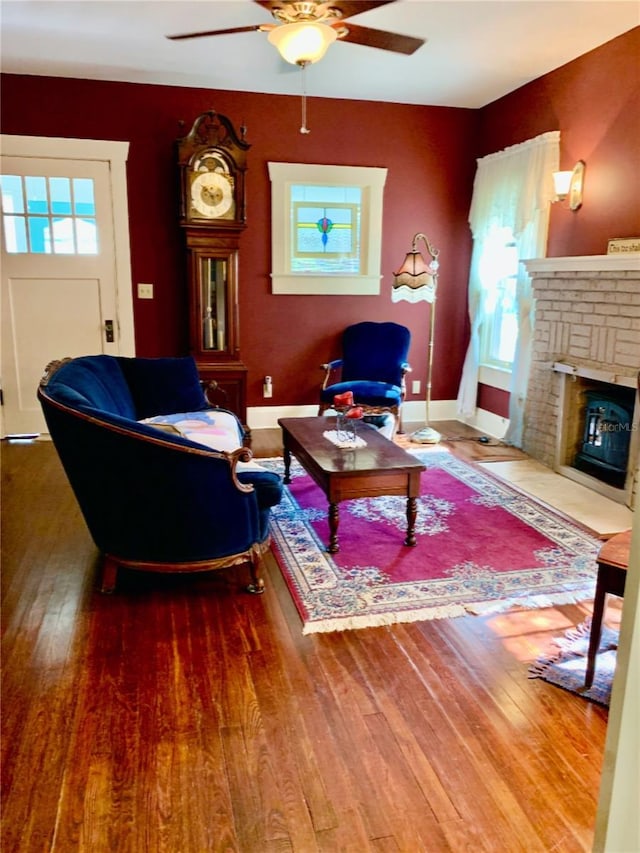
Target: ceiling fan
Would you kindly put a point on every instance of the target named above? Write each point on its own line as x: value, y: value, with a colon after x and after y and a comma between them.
x: 304, y: 30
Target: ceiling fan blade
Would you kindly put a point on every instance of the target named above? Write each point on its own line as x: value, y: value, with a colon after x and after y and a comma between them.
x: 261, y: 27
x: 356, y: 7
x: 383, y: 40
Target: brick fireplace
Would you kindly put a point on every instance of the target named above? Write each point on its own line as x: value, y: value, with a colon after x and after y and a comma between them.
x: 586, y: 346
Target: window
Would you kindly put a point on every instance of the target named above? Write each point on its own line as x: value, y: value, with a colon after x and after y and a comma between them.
x: 512, y: 193
x: 498, y: 270
x: 49, y: 215
x: 326, y: 228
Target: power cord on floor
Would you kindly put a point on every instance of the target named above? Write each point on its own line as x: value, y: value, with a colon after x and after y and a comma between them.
x: 483, y: 439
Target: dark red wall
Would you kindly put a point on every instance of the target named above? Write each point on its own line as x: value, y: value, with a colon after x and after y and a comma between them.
x: 594, y: 102
x: 430, y: 154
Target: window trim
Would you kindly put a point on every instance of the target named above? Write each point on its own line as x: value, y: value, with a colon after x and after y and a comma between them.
x: 371, y: 181
x: 495, y: 377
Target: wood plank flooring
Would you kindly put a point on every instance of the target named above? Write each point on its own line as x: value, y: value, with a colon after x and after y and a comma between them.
x: 183, y: 715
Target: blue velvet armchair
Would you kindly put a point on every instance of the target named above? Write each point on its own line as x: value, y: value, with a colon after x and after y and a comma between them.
x: 373, y: 366
x: 155, y: 500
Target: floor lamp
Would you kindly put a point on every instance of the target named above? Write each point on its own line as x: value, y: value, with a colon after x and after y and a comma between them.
x: 417, y: 281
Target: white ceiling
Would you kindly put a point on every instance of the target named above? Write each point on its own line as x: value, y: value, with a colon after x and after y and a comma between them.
x: 476, y: 50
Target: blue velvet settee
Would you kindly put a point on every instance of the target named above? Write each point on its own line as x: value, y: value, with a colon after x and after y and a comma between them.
x: 152, y: 498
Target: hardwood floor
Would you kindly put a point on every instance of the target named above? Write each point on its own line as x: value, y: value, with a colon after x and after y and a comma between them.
x: 182, y: 715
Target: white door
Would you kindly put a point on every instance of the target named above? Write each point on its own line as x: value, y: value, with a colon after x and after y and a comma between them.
x: 59, y: 275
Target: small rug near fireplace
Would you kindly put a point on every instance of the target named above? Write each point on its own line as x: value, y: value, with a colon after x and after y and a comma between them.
x: 482, y: 547
x: 470, y: 449
x: 568, y: 666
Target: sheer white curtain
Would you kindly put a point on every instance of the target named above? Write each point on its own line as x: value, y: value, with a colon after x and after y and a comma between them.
x: 512, y: 189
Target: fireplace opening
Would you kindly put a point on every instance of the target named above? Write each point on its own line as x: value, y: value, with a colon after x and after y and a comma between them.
x: 607, y: 424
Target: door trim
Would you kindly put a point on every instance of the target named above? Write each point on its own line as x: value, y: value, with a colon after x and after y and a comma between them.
x: 115, y: 154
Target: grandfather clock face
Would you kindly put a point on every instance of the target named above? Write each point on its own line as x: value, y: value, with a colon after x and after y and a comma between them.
x: 211, y: 188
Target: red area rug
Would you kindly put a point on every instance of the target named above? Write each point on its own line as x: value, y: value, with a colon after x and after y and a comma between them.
x: 482, y: 546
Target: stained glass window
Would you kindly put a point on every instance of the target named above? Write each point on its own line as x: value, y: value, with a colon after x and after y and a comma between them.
x: 325, y: 223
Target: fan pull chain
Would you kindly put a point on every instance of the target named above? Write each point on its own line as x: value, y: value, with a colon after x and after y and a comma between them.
x: 303, y: 127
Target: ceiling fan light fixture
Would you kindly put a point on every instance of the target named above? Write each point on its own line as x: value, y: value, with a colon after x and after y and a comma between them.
x: 302, y: 43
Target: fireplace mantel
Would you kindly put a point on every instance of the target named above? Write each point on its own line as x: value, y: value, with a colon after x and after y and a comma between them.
x: 585, y: 263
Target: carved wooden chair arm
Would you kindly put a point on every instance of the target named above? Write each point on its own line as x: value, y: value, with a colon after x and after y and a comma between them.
x: 212, y: 387
x: 406, y: 368
x: 243, y: 454
x: 330, y: 368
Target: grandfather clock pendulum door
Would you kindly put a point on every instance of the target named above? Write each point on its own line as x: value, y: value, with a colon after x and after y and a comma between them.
x: 212, y: 161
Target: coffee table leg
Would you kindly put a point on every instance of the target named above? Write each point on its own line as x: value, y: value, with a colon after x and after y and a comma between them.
x: 333, y: 529
x: 412, y: 514
x: 287, y: 464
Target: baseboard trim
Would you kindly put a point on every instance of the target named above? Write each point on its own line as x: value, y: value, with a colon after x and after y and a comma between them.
x: 488, y: 423
x: 266, y: 417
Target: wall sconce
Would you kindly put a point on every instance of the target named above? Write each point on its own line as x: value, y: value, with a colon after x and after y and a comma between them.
x: 570, y: 185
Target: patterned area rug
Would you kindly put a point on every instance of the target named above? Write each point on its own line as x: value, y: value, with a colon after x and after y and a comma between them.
x: 567, y: 668
x: 482, y: 547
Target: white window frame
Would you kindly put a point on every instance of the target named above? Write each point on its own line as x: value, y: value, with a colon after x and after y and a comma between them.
x: 371, y: 181
x: 495, y: 377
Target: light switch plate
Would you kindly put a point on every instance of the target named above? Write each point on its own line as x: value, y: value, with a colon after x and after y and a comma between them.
x: 145, y: 291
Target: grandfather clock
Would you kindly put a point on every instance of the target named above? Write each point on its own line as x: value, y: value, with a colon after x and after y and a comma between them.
x: 212, y: 161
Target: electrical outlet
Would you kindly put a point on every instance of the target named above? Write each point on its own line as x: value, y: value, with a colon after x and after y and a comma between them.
x: 145, y: 291
x: 415, y: 386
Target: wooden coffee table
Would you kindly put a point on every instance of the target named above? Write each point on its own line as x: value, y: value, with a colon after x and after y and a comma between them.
x: 380, y: 468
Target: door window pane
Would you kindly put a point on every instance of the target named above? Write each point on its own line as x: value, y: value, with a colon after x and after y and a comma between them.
x: 39, y: 235
x: 11, y: 194
x: 86, y: 237
x: 83, y: 197
x: 36, y: 195
x: 63, y: 242
x: 60, y: 189
x: 15, y: 234
x: 62, y: 216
